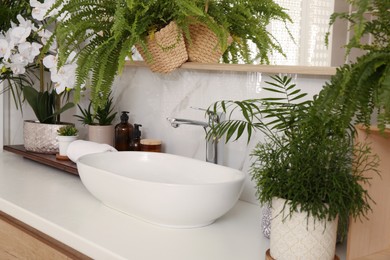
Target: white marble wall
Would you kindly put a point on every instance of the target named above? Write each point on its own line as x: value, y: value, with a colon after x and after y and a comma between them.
x: 151, y: 98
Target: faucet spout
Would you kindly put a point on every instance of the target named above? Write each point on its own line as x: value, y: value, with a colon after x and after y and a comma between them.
x: 176, y: 122
x: 213, y: 147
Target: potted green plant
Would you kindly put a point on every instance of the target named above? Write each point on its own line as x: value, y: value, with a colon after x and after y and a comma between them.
x: 100, y: 127
x: 108, y: 30
x: 66, y: 135
x: 21, y: 67
x: 307, y: 168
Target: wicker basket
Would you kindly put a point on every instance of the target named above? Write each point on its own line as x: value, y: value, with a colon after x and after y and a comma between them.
x: 41, y: 138
x: 167, y: 49
x: 204, y: 46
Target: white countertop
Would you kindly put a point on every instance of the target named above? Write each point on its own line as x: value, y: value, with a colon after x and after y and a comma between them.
x: 57, y: 203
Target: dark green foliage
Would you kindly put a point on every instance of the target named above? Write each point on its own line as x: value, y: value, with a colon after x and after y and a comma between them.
x: 359, y: 89
x: 87, y: 116
x: 69, y: 130
x: 308, y: 156
x: 104, y: 115
x: 9, y: 9
x: 44, y: 104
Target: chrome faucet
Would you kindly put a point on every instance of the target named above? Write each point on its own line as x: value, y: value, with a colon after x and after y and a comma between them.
x: 214, y: 148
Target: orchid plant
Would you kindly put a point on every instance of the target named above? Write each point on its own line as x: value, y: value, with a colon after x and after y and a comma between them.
x: 20, y: 62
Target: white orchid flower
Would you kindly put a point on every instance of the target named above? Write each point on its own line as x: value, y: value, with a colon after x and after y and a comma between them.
x: 5, y: 50
x: 19, y: 34
x: 29, y: 50
x: 50, y: 62
x: 64, y: 78
x: 40, y: 10
x: 45, y: 36
x: 17, y: 64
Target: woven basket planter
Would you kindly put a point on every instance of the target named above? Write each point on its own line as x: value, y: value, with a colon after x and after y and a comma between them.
x: 167, y: 49
x: 204, y: 46
x: 41, y: 138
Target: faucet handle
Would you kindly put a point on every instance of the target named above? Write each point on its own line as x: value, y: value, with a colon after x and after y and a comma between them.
x: 209, y: 113
x: 213, y: 117
x: 198, y: 108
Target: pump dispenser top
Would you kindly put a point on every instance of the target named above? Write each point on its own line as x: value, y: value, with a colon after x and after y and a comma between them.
x: 135, y: 144
x: 123, y: 133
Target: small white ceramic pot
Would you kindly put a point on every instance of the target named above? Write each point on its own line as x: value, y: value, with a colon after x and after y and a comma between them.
x: 63, y: 143
x: 298, y: 237
x: 103, y: 134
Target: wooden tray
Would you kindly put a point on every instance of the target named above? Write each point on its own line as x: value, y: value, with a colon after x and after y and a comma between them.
x: 269, y: 257
x: 47, y: 159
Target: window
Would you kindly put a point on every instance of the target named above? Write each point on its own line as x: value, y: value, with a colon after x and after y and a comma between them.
x: 310, y: 24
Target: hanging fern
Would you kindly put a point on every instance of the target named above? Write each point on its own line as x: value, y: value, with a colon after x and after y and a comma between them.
x: 103, y: 32
x: 359, y: 89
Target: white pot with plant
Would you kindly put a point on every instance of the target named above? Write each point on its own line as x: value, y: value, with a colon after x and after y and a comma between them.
x: 100, y: 127
x: 66, y: 135
x: 23, y: 61
x: 307, y: 169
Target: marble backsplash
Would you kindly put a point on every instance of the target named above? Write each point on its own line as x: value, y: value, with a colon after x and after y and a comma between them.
x: 151, y: 98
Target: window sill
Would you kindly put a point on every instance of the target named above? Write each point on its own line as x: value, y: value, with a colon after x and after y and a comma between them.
x: 303, y: 70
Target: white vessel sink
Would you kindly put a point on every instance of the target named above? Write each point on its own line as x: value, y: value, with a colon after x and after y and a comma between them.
x: 161, y: 188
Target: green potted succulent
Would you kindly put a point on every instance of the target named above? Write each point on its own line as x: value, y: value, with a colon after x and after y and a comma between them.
x: 307, y: 168
x: 100, y: 127
x: 108, y: 30
x: 66, y: 135
x: 21, y: 67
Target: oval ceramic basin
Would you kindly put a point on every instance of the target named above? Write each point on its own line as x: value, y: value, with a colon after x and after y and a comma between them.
x: 161, y: 188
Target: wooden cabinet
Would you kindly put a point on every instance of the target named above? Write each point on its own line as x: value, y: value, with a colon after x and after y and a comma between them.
x: 370, y: 239
x: 20, y: 241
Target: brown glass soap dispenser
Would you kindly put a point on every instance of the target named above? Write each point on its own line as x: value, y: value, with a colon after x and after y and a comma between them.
x: 123, y: 133
x: 135, y: 144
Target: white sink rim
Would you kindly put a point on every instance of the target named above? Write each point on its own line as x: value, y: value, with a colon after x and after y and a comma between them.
x: 188, y: 203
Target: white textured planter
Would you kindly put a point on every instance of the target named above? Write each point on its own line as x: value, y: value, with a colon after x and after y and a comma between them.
x: 63, y: 143
x: 41, y: 138
x: 300, y: 238
x: 103, y: 134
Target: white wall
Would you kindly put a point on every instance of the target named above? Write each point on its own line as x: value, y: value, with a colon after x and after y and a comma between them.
x: 151, y: 98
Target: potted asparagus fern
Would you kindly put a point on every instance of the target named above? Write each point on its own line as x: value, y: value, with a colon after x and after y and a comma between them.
x: 308, y: 169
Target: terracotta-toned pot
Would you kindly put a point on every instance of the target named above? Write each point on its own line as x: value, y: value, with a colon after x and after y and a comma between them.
x: 103, y: 134
x: 41, y: 138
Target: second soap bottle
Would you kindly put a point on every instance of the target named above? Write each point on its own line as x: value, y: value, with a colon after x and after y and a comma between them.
x: 123, y: 133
